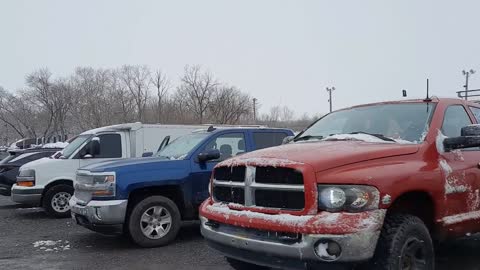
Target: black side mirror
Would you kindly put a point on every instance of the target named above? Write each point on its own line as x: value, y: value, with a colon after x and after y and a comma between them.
x: 147, y: 154
x: 287, y: 139
x: 208, y: 155
x: 470, y: 137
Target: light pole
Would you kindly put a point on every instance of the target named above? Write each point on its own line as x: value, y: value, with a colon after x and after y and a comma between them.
x: 467, y: 76
x: 330, y: 90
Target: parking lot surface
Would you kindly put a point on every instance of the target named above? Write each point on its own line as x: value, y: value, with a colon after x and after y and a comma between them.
x: 31, y: 240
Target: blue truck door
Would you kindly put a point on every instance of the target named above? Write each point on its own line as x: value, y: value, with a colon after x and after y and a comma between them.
x: 229, y: 144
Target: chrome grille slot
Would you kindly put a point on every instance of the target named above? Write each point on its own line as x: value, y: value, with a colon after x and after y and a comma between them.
x: 270, y: 187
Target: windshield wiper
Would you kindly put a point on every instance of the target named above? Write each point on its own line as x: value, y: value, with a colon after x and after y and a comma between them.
x: 380, y: 136
x: 308, y: 137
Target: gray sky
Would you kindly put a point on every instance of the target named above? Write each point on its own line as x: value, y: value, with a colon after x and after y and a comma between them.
x: 282, y: 52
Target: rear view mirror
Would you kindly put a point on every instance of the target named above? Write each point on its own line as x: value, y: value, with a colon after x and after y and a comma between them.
x: 208, y: 155
x: 470, y: 138
x: 147, y: 154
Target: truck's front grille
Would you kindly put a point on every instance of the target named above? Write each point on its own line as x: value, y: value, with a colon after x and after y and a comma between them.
x: 234, y: 174
x: 271, y: 187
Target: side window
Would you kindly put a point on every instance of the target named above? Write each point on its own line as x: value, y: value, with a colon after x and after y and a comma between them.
x: 268, y: 139
x: 476, y: 113
x: 110, y: 146
x: 229, y: 145
x: 454, y: 119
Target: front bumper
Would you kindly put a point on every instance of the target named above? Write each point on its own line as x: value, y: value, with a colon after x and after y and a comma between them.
x: 27, y: 195
x: 105, y: 217
x: 288, y: 248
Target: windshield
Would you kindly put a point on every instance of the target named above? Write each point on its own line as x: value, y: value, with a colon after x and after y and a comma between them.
x: 180, y: 147
x: 401, y: 122
x: 73, y: 145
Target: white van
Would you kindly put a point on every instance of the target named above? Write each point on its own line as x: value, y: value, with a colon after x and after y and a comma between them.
x: 48, y: 182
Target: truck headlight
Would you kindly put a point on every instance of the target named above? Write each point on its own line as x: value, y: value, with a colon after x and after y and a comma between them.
x: 100, y: 185
x: 349, y: 198
x: 26, y: 178
x: 103, y: 186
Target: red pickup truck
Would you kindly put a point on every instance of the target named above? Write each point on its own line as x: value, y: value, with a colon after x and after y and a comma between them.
x: 373, y: 186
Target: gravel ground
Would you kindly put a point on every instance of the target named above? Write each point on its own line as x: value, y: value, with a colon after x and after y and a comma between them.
x: 31, y: 240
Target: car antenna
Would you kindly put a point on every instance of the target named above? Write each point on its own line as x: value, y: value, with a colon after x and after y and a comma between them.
x: 427, y: 99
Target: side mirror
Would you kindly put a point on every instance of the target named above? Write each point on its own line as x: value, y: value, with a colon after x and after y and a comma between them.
x: 147, y: 154
x: 470, y: 137
x: 287, y: 139
x: 208, y: 155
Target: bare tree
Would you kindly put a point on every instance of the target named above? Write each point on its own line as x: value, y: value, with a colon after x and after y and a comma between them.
x: 40, y: 83
x: 136, y: 79
x: 229, y: 105
x: 162, y: 85
x: 197, y: 88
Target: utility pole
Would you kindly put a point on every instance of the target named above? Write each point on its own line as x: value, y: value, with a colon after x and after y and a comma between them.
x: 330, y: 90
x: 467, y: 76
x: 254, y: 110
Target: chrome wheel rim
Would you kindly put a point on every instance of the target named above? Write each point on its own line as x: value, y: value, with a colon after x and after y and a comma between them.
x: 155, y: 222
x: 60, y: 202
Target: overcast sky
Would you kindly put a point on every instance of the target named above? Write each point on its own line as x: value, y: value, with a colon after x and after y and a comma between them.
x: 281, y: 52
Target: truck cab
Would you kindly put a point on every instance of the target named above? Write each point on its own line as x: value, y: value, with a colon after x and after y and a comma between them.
x: 147, y: 198
x: 373, y: 185
x: 48, y: 182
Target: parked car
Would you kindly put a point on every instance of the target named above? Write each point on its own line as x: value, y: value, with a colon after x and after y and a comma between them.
x: 3, y: 153
x: 9, y: 166
x: 49, y: 182
x: 147, y: 198
x: 377, y: 183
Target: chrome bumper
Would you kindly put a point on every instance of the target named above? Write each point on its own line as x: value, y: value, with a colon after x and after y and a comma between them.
x: 100, y: 212
x: 243, y: 245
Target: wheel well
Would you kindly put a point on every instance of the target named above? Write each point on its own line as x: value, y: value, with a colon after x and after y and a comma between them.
x: 54, y: 183
x: 417, y: 203
x: 57, y: 182
x: 172, y: 192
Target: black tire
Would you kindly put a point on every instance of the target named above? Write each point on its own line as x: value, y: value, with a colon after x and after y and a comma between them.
x: 403, y: 237
x: 53, y: 208
x: 145, y: 206
x: 241, y: 265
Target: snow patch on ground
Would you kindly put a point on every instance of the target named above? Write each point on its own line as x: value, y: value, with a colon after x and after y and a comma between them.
x: 274, y: 162
x: 52, y: 246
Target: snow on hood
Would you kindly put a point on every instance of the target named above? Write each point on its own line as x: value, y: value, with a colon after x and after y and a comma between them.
x: 55, y: 145
x: 322, y: 155
x: 363, y: 137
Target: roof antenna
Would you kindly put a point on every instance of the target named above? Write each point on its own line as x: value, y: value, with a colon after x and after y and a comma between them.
x: 427, y: 99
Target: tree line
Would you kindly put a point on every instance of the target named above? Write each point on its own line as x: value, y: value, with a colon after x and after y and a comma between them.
x: 95, y: 97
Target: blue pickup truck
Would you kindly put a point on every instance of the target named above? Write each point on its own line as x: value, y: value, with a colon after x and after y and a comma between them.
x: 147, y: 198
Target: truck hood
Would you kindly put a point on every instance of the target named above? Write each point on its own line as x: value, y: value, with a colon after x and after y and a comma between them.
x: 39, y: 162
x: 122, y: 163
x: 324, y: 155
